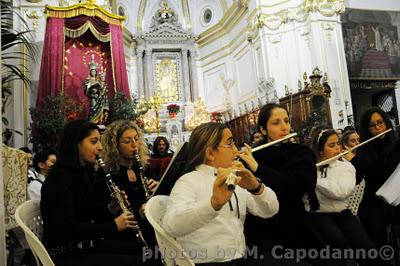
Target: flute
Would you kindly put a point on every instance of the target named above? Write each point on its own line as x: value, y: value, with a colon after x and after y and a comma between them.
x: 329, y: 160
x: 273, y: 142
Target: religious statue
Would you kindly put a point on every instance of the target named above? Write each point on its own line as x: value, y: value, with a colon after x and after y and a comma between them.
x: 97, y: 92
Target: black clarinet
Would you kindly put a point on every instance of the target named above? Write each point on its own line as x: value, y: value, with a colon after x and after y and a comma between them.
x: 143, y: 178
x: 116, y: 193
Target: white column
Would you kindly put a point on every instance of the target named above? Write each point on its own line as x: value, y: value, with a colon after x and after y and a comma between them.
x: 140, y: 79
x: 132, y: 72
x: 186, y: 78
x: 148, y: 73
x: 194, y: 79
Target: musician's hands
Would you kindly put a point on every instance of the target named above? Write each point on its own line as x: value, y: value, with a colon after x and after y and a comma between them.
x: 126, y: 221
x: 152, y: 184
x: 221, y: 194
x: 247, y: 157
x: 247, y: 180
x: 350, y: 155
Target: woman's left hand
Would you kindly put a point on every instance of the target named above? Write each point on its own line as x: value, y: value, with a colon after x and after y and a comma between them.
x: 247, y: 180
x: 152, y: 184
x: 248, y: 158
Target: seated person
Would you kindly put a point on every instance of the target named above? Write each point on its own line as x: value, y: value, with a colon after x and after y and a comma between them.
x: 31, y: 171
x: 42, y: 163
x: 160, y: 158
x: 202, y: 213
x: 334, y: 222
x: 349, y: 140
x: 81, y: 226
x: 256, y: 138
x: 161, y: 148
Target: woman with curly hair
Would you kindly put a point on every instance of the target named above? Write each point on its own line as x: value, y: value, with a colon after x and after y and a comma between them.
x: 121, y: 141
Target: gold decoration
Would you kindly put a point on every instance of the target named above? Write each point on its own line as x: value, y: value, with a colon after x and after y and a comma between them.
x: 300, y: 13
x: 152, y: 123
x: 34, y: 16
x: 89, y: 8
x: 167, y: 80
x: 200, y: 115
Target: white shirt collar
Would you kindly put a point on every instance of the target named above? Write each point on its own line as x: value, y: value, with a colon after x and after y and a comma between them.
x: 206, y: 169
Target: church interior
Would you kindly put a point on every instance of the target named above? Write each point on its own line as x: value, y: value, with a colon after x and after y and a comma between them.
x: 172, y: 65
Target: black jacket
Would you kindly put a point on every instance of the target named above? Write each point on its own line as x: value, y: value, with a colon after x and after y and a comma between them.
x: 289, y: 169
x: 74, y: 207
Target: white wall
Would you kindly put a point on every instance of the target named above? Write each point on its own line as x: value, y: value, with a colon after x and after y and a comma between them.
x: 373, y: 4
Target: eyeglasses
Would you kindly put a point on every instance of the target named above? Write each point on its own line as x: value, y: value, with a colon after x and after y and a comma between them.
x: 376, y: 124
x: 230, y: 145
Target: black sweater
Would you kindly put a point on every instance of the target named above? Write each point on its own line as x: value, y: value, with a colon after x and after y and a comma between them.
x: 74, y: 207
x: 290, y: 171
x: 375, y: 162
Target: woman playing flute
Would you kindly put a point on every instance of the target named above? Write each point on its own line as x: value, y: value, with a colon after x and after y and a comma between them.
x: 334, y: 222
x: 375, y: 161
x: 289, y: 169
x: 203, y: 214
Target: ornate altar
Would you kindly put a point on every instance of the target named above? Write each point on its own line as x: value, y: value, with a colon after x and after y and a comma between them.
x: 79, y: 38
x: 312, y: 99
x: 166, y: 67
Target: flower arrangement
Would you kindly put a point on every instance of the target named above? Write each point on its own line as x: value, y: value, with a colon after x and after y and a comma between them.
x: 216, y: 117
x: 173, y: 109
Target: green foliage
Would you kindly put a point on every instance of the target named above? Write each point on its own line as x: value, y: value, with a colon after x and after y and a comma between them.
x: 49, y: 118
x: 122, y: 108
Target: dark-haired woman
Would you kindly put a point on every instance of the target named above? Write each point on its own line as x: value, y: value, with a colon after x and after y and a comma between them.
x: 376, y: 161
x: 335, y: 224
x: 77, y: 220
x: 289, y: 169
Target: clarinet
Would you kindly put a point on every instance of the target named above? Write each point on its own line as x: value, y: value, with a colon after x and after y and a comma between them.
x: 143, y: 178
x: 116, y: 193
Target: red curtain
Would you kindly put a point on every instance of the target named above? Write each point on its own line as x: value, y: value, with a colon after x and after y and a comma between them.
x: 118, y: 54
x: 50, y: 78
x: 78, y: 53
x: 77, y: 57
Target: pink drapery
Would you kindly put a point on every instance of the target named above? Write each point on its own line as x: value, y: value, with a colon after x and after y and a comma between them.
x: 78, y: 52
x: 118, y: 57
x: 51, y: 77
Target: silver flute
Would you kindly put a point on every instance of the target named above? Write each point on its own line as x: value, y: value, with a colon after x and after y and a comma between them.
x: 143, y: 177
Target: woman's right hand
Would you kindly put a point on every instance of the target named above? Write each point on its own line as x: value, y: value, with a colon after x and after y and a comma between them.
x: 248, y: 158
x: 221, y: 194
x: 126, y: 221
x: 350, y: 155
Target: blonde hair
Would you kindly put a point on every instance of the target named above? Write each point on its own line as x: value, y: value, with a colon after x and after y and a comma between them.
x: 110, y: 141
